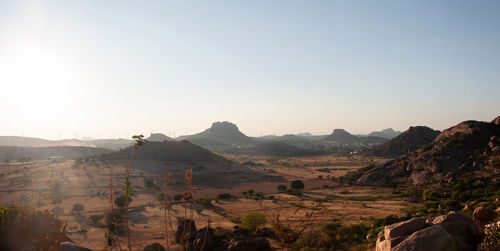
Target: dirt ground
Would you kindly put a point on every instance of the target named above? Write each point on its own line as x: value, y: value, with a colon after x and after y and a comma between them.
x: 57, y: 185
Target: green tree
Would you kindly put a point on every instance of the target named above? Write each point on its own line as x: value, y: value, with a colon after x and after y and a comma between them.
x: 77, y: 208
x: 253, y: 220
x: 282, y: 188
x: 297, y: 185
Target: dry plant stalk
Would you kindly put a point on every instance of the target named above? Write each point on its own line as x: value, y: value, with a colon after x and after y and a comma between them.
x: 166, y: 211
x: 187, y: 199
x: 111, y: 200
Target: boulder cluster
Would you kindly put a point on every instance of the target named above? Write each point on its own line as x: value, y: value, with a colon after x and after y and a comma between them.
x: 453, y: 231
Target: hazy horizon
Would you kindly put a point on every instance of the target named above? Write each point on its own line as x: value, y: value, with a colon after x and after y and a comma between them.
x: 118, y: 68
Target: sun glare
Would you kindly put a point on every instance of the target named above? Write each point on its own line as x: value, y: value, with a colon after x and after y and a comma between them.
x: 35, y: 80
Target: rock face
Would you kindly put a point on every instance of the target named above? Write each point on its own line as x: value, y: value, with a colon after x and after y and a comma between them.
x: 410, y: 140
x: 483, y: 216
x: 466, y: 147
x: 451, y: 232
x: 154, y: 247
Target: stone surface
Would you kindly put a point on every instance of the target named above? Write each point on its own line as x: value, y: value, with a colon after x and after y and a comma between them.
x: 454, y: 231
x: 431, y: 238
x: 404, y: 228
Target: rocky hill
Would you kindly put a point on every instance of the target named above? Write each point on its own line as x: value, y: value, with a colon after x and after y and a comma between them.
x: 219, y: 135
x: 158, y: 137
x: 388, y: 133
x: 175, y: 151
x: 341, y: 136
x: 410, y: 140
x: 34, y: 153
x: 468, y: 147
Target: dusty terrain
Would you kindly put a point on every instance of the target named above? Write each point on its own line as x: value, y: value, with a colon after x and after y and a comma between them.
x: 42, y: 183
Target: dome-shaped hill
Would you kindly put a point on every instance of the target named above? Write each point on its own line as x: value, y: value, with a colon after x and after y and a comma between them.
x: 410, y: 140
x: 468, y: 147
x: 177, y: 151
x: 341, y: 136
x: 158, y: 137
x: 220, y: 135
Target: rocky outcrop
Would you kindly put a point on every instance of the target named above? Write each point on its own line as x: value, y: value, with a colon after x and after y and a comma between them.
x: 451, y: 232
x: 464, y: 148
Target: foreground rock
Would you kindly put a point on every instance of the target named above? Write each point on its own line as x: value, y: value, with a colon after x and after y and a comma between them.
x: 454, y: 231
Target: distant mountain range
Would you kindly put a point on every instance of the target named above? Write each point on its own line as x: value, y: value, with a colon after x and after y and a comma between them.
x: 388, y: 133
x: 49, y: 152
x: 113, y: 144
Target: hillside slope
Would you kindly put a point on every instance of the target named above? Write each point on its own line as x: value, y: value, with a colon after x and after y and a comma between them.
x: 468, y: 147
x: 410, y: 140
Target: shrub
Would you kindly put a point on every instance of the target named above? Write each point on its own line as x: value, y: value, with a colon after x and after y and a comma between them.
x: 96, y: 218
x: 149, y: 183
x: 223, y: 196
x: 428, y: 195
x: 297, y: 185
x: 113, y: 221
x: 253, y: 220
x: 77, y: 208
x: 120, y: 201
x: 178, y: 197
x: 282, y: 188
x: 22, y: 228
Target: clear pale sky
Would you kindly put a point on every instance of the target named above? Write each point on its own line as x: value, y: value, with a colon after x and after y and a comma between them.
x: 117, y: 68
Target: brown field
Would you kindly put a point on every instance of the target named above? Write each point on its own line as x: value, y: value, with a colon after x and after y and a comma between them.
x: 39, y: 183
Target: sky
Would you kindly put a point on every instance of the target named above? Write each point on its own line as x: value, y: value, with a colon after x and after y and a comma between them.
x: 117, y: 68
